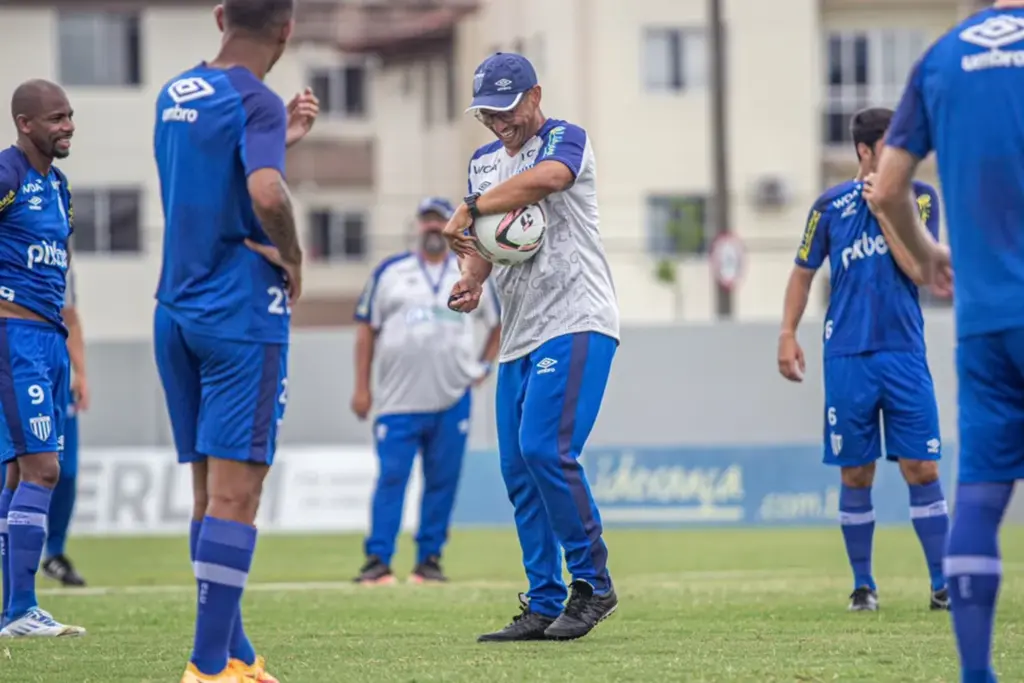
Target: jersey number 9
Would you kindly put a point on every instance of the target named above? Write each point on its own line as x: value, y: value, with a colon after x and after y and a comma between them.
x: 36, y: 393
x: 278, y: 301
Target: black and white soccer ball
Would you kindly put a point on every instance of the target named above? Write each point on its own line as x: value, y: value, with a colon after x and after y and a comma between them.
x: 512, y: 238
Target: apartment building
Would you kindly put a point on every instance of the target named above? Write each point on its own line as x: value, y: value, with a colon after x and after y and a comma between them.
x: 394, y: 76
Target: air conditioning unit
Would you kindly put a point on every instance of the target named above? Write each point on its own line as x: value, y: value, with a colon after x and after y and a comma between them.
x: 770, y: 192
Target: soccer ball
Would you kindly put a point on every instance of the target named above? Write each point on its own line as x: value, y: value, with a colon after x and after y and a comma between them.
x: 510, y: 239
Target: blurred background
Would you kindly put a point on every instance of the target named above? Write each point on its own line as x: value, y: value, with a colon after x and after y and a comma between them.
x: 707, y: 118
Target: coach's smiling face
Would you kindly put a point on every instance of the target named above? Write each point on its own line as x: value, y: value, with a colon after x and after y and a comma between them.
x: 517, y: 125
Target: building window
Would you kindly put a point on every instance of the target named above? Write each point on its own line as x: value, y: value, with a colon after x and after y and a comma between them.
x: 865, y: 69
x: 99, y: 49
x: 337, y: 235
x: 674, y: 59
x: 342, y: 91
x: 677, y: 225
x: 107, y: 221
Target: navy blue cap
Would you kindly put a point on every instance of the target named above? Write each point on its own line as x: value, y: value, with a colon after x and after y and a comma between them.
x: 438, y: 205
x: 501, y: 80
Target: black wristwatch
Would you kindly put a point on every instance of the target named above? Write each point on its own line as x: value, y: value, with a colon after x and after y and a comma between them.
x: 470, y: 202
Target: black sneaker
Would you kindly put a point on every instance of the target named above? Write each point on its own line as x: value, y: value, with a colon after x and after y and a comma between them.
x: 940, y: 599
x: 583, y: 612
x: 375, y: 572
x: 863, y: 600
x: 59, y: 568
x: 428, y: 571
x: 526, y: 625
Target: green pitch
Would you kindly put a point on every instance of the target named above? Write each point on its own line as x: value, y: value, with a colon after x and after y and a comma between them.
x: 705, y: 605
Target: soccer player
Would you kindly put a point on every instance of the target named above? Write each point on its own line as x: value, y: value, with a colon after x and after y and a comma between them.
x: 36, y: 221
x: 426, y: 363
x: 874, y: 361
x: 963, y: 101
x: 559, y: 333
x: 231, y: 270
x: 56, y: 564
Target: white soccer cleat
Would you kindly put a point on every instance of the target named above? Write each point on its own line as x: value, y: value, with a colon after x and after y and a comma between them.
x: 38, y: 623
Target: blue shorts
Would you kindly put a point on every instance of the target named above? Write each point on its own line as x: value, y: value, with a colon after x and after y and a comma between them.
x: 225, y: 398
x: 892, y: 384
x: 35, y: 388
x: 990, y: 373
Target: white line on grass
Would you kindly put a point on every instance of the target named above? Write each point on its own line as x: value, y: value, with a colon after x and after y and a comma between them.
x: 664, y: 578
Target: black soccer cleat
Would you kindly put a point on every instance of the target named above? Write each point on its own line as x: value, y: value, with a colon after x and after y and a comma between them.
x: 863, y: 599
x: 582, y: 613
x: 59, y: 568
x: 375, y: 573
x: 428, y: 571
x: 940, y: 600
x: 527, y: 625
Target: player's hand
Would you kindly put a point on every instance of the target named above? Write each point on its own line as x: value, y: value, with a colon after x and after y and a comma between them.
x: 362, y: 401
x: 868, y: 193
x: 791, y: 358
x: 293, y: 271
x: 80, y: 393
x: 465, y: 296
x: 456, y: 232
x: 302, y: 113
x: 940, y: 272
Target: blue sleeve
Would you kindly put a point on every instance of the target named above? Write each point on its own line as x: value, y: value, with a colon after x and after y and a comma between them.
x: 266, y: 125
x: 65, y: 197
x: 910, y: 129
x: 10, y: 182
x: 814, y: 245
x: 565, y: 143
x: 928, y: 207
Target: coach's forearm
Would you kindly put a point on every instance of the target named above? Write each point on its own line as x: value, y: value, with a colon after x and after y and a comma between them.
x: 529, y: 187
x: 365, y: 340
x: 798, y: 291
x: 76, y: 341
x: 476, y: 267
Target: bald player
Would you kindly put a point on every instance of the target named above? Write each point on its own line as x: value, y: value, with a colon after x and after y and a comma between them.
x: 35, y: 225
x: 232, y: 268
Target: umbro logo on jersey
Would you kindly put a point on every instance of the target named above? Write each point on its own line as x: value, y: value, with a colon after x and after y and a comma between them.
x: 994, y: 34
x: 546, y: 366
x: 35, y: 204
x: 934, y: 445
x: 188, y: 89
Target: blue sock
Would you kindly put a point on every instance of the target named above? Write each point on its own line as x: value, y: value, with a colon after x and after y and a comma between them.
x: 857, y: 517
x: 930, y: 516
x: 5, y: 507
x: 240, y: 648
x: 26, y: 529
x: 223, y: 557
x: 61, y: 506
x: 973, y: 569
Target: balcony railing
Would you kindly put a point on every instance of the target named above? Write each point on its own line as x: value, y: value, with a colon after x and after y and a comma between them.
x: 379, y: 26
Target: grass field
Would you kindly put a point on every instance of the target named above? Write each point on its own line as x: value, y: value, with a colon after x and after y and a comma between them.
x: 701, y: 605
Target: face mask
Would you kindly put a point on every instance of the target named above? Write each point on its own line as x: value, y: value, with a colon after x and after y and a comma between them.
x: 433, y: 243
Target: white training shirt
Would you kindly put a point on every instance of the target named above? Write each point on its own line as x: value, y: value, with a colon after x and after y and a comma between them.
x: 426, y: 355
x: 567, y: 286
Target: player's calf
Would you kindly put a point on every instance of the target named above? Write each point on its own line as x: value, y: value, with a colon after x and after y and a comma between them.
x: 857, y: 520
x: 929, y: 514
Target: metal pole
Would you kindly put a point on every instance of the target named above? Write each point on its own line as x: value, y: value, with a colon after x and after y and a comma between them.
x: 719, y: 135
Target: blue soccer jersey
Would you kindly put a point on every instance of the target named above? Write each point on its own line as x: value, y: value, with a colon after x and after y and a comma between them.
x: 873, y: 305
x: 36, y: 221
x: 964, y: 100
x: 221, y: 327
x: 214, y: 127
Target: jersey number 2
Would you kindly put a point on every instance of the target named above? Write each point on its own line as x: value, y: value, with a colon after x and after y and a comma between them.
x: 278, y: 302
